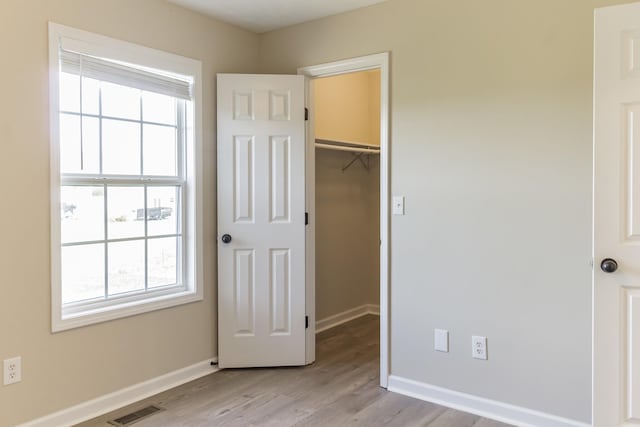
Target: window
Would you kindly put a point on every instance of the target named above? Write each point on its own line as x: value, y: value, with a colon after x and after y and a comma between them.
x: 125, y: 174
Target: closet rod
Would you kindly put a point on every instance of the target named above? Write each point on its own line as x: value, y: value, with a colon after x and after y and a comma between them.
x: 345, y: 148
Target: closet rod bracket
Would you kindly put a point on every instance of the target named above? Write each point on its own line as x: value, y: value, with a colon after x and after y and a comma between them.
x: 356, y: 157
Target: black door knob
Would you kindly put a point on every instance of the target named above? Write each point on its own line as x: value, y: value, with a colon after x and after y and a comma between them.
x: 609, y: 265
x: 226, y: 238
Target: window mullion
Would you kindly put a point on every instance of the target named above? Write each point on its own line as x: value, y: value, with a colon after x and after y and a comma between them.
x: 181, y: 212
x: 146, y: 206
x: 146, y: 239
x: 141, y: 138
x: 122, y: 119
x: 181, y: 241
x: 100, y: 128
x: 117, y: 240
x: 81, y: 128
x: 72, y: 179
x: 180, y: 136
x: 106, y: 244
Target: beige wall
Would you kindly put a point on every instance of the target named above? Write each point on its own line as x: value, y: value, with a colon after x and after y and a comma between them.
x: 70, y: 367
x: 347, y: 107
x: 491, y: 145
x: 374, y: 106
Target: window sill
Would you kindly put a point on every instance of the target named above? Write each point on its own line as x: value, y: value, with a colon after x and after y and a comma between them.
x: 87, y: 317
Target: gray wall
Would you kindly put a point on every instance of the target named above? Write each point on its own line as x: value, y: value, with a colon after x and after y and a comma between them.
x: 491, y: 118
x: 347, y: 233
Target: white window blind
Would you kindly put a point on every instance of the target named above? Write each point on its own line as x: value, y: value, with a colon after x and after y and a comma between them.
x: 122, y: 74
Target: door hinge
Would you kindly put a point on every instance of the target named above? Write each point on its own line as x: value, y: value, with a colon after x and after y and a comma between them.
x: 306, y: 322
x: 306, y: 218
x: 306, y: 113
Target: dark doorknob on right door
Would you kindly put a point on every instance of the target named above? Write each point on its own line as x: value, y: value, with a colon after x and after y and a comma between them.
x: 609, y: 265
x: 226, y: 238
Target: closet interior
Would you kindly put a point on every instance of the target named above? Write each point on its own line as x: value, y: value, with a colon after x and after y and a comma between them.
x: 347, y: 132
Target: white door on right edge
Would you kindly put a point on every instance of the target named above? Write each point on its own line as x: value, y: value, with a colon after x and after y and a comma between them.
x: 616, y: 297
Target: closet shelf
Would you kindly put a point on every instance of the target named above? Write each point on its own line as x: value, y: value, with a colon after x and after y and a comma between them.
x: 347, y: 146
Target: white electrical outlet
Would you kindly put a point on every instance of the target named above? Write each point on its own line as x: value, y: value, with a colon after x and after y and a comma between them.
x: 12, y: 370
x: 441, y: 340
x: 479, y: 347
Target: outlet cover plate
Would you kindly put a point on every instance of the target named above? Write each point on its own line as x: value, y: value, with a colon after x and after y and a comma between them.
x: 12, y: 370
x: 479, y: 347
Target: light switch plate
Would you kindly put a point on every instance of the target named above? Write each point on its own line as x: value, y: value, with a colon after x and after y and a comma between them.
x: 441, y: 340
x: 398, y: 205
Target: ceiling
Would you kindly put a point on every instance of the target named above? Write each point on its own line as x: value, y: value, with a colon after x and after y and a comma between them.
x: 265, y: 15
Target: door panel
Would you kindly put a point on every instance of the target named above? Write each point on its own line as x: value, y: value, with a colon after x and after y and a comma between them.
x: 243, y: 153
x: 280, y: 291
x: 243, y: 292
x: 633, y: 357
x: 279, y: 174
x: 616, y: 381
x: 261, y: 205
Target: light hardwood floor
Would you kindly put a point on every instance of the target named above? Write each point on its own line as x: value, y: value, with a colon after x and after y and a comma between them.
x: 339, y: 389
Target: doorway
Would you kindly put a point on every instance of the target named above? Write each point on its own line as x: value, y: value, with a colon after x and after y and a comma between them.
x: 376, y: 65
x: 346, y: 110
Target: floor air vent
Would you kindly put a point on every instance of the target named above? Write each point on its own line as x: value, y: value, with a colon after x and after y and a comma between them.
x: 136, y: 416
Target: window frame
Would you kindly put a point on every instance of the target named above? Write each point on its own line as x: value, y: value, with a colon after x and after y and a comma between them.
x: 79, y: 314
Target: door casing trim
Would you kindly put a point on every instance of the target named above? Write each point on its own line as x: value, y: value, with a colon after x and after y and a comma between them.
x: 370, y: 62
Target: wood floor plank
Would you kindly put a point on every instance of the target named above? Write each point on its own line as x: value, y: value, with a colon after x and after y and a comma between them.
x: 451, y: 417
x: 339, y: 389
x: 394, y: 410
x: 484, y: 422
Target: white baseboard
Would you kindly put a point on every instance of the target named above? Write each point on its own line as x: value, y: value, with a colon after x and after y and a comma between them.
x: 373, y: 309
x: 346, y: 316
x: 487, y: 408
x: 126, y: 396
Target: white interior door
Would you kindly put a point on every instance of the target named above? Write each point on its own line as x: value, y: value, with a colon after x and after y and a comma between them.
x: 261, y: 208
x: 616, y: 382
